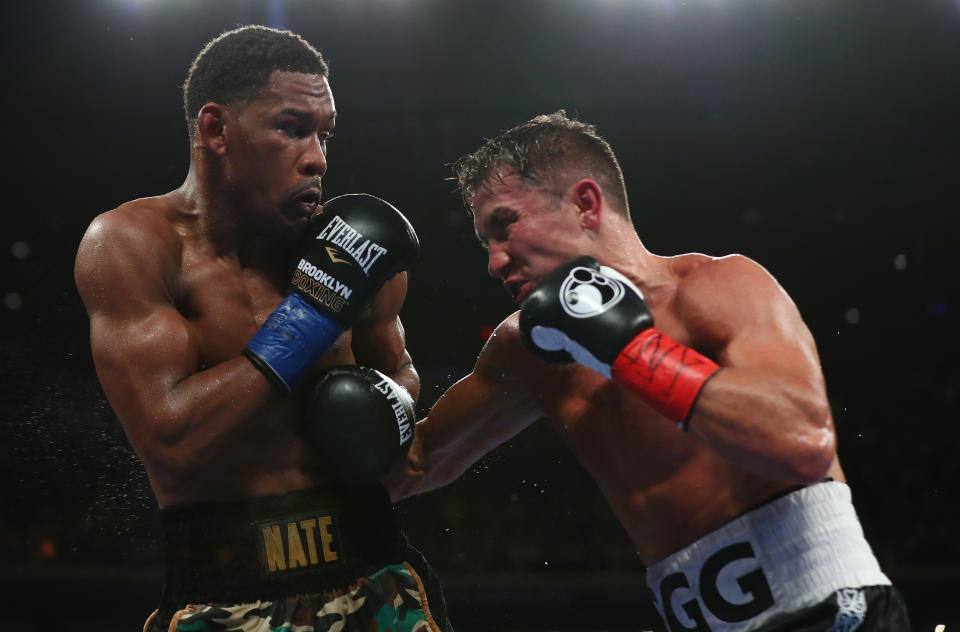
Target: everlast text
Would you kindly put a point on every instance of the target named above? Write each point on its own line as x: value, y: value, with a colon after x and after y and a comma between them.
x: 403, y: 420
x: 364, y: 251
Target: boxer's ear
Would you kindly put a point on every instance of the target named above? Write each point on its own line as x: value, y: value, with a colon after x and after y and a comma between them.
x: 588, y: 199
x: 210, y: 127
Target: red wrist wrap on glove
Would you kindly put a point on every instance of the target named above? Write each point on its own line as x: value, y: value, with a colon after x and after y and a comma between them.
x: 663, y: 373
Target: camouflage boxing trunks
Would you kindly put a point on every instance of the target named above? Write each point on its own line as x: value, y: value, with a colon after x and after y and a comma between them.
x: 390, y: 600
x: 309, y: 561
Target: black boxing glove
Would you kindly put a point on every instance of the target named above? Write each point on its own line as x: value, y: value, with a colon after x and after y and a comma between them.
x: 594, y: 315
x: 347, y: 253
x: 361, y: 422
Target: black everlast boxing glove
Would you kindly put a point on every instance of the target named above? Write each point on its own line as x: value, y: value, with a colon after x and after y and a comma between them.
x: 361, y: 422
x: 347, y: 253
x: 594, y: 315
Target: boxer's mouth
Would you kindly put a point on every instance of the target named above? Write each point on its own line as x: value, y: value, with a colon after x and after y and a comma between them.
x: 305, y: 200
x: 308, y: 201
x: 518, y: 289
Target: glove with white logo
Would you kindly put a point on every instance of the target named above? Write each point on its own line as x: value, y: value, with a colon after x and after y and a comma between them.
x: 361, y: 422
x: 348, y: 252
x: 594, y: 315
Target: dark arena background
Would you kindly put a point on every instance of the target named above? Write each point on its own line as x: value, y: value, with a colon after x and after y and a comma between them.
x: 818, y: 137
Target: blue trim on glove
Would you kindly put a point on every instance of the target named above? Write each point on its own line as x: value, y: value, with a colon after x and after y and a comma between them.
x: 291, y: 340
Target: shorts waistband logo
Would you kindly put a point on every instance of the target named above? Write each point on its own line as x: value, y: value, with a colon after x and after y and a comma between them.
x: 728, y: 597
x: 298, y: 543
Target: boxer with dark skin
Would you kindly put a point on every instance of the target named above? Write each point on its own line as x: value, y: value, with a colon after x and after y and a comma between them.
x: 755, y: 428
x: 177, y: 285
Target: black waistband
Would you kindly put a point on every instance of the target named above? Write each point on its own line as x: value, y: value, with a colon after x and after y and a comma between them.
x: 261, y: 548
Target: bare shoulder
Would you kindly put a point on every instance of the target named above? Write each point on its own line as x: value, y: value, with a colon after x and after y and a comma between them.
x: 694, y: 267
x: 503, y: 354
x: 505, y: 341
x: 701, y: 277
x: 145, y: 219
x: 720, y: 297
x: 136, y: 239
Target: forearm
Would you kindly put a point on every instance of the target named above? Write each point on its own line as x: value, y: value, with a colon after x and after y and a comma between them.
x: 184, y: 424
x: 406, y: 376
x: 450, y: 448
x: 773, y: 424
x: 432, y: 463
x: 460, y: 428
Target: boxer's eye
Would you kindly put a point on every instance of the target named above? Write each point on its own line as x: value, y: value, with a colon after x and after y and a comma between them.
x: 497, y: 226
x: 290, y: 130
x: 295, y: 128
x: 502, y: 224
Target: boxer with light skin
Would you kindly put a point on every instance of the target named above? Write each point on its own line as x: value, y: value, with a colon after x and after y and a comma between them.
x: 688, y: 386
x: 228, y: 322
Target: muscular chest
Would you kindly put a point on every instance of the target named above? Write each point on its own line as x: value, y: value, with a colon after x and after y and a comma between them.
x: 587, y: 408
x: 226, y: 304
x: 576, y: 394
x: 613, y: 432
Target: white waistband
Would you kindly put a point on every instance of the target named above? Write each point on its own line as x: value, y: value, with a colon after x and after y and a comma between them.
x: 783, y: 556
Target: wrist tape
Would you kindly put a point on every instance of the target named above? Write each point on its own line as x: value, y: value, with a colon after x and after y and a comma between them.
x: 291, y: 340
x: 663, y: 373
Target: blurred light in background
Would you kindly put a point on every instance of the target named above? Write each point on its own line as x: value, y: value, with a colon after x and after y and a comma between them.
x: 13, y: 301
x: 46, y: 549
x: 20, y: 250
x: 938, y: 308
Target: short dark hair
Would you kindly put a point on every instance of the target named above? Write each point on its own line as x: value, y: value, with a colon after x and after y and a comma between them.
x: 237, y: 64
x: 549, y: 146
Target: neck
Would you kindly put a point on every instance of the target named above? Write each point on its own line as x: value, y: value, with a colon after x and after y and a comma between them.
x: 621, y: 249
x: 208, y: 205
x: 217, y: 220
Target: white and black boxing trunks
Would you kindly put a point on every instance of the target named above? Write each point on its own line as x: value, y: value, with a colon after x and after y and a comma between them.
x: 782, y: 558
